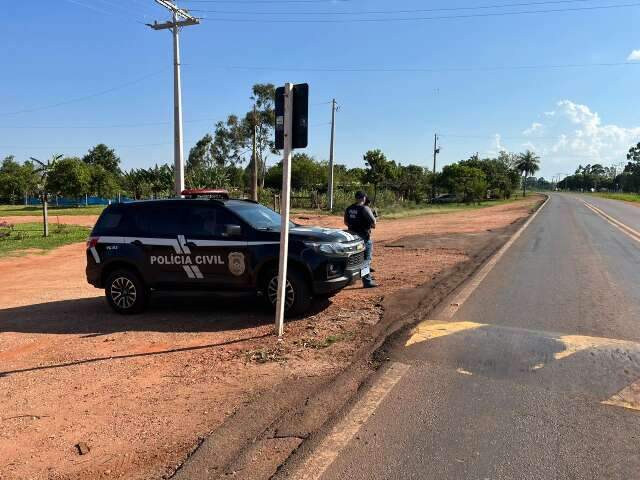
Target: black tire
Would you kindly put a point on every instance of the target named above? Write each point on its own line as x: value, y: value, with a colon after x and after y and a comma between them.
x: 126, y: 292
x: 299, y: 298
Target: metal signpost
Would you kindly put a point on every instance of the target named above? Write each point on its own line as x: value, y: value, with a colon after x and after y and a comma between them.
x: 291, y: 132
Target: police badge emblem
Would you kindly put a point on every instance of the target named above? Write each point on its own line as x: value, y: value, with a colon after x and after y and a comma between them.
x: 236, y: 263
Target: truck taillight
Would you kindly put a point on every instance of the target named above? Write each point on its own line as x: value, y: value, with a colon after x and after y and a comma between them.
x: 92, y: 242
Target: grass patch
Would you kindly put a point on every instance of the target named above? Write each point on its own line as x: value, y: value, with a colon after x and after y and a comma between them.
x: 626, y: 197
x: 17, y: 239
x: 21, y: 210
x: 327, y: 342
x: 403, y: 211
x: 392, y: 213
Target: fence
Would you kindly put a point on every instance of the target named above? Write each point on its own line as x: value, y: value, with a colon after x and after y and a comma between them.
x: 74, y: 202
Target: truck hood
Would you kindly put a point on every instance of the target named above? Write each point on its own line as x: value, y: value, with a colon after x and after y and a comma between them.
x: 320, y: 234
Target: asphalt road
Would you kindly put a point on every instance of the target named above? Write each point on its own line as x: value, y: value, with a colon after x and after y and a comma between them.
x: 535, y: 375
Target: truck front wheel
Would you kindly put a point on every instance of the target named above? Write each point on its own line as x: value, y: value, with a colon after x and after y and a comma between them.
x: 298, y: 297
x: 126, y: 293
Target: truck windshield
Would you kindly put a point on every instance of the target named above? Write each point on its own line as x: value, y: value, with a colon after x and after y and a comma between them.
x: 258, y: 216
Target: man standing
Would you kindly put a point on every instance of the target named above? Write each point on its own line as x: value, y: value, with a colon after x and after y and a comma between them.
x: 359, y: 219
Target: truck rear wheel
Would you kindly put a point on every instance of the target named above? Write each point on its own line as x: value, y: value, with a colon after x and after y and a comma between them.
x: 298, y: 297
x: 126, y: 293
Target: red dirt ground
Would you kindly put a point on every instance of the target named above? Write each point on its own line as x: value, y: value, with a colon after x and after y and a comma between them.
x: 142, y: 390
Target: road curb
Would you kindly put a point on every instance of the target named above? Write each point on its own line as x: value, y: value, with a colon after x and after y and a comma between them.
x: 260, y: 437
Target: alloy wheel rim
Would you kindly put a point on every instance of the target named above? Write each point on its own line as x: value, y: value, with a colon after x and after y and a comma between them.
x: 123, y: 292
x: 272, y: 292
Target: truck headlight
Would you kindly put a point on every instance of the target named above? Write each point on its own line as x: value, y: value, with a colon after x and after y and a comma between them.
x: 333, y: 248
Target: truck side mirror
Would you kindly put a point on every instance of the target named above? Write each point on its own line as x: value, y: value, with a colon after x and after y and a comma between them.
x: 232, y: 231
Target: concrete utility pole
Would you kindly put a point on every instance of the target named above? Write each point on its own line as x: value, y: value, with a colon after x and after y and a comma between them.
x: 181, y: 18
x: 333, y: 135
x: 254, y: 159
x: 436, y: 151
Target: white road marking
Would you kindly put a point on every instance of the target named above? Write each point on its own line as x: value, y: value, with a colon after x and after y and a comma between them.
x: 626, y: 229
x: 470, y: 287
x: 343, y: 432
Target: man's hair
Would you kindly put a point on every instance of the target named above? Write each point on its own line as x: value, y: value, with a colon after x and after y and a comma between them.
x: 360, y: 195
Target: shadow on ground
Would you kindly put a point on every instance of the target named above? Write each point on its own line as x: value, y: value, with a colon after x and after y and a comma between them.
x: 168, y: 313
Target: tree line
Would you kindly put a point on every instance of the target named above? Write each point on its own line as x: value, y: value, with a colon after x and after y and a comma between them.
x: 223, y: 159
x: 598, y: 177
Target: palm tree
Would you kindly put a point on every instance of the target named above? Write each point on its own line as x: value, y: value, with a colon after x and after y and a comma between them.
x: 43, y: 171
x: 527, y: 164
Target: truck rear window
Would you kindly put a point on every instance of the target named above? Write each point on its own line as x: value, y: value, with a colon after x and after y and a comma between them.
x: 108, y: 223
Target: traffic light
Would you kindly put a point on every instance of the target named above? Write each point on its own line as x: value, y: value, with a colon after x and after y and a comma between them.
x: 300, y: 133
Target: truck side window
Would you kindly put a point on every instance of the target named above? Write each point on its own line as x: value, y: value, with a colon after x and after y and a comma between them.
x: 208, y: 222
x: 113, y: 221
x: 154, y: 221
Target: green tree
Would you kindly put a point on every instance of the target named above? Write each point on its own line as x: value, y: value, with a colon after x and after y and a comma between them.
x: 42, y: 170
x: 528, y: 163
x: 468, y: 183
x: 135, y: 183
x: 200, y: 155
x: 306, y: 173
x: 378, y: 169
x: 102, y: 182
x: 70, y: 177
x: 16, y: 180
x: 103, y: 156
x: 216, y: 176
x: 412, y: 182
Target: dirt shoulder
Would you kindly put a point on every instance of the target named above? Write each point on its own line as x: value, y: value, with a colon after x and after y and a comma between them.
x: 143, y: 391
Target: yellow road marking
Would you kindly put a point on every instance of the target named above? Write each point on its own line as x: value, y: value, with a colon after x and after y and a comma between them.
x: 344, y: 431
x: 628, y: 397
x: 430, y: 329
x: 626, y: 229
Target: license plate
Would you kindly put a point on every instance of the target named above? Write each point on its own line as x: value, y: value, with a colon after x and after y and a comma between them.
x: 365, y: 271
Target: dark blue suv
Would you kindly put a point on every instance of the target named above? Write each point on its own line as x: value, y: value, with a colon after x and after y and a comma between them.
x: 217, y: 245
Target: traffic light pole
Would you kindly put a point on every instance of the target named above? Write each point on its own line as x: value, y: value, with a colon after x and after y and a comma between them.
x: 284, y: 208
x: 254, y: 158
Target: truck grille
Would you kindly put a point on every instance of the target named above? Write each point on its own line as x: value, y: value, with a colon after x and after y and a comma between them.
x: 355, y: 261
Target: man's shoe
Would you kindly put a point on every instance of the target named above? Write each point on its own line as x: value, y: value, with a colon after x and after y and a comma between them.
x: 370, y: 284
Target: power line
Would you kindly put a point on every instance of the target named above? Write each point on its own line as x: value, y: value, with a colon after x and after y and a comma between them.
x: 266, y: 2
x: 99, y: 10
x: 90, y: 127
x: 387, y: 12
x: 350, y: 69
x: 67, y: 147
x: 86, y: 97
x: 417, y: 19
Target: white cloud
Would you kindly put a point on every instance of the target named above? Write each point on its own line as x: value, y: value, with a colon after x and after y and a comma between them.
x: 534, y: 128
x: 633, y: 56
x: 573, y: 134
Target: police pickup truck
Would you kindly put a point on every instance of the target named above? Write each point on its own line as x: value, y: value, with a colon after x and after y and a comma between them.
x: 218, y: 244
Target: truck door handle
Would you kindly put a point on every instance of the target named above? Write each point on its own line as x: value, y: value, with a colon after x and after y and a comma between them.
x: 138, y: 243
x: 191, y: 245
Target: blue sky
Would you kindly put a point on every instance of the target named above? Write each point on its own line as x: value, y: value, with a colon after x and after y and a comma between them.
x: 59, y: 51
